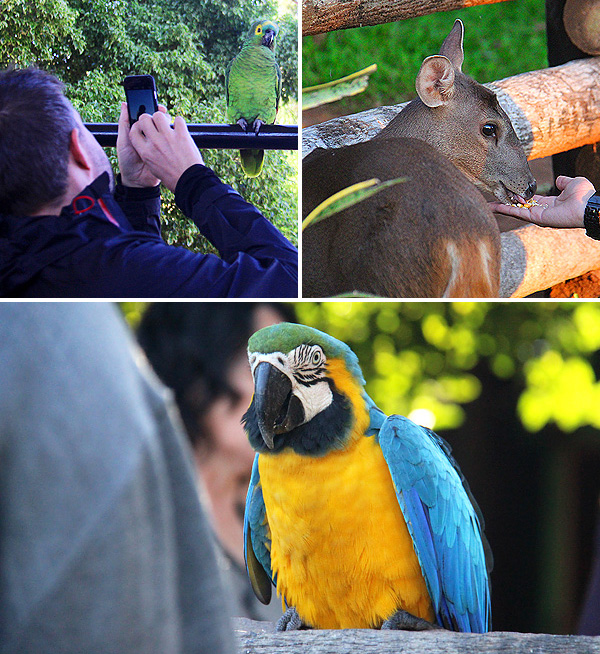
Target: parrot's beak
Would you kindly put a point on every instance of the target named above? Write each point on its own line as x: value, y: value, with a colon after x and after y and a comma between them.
x: 277, y: 409
x: 269, y: 38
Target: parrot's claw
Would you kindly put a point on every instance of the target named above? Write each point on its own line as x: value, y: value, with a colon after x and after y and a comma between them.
x: 243, y: 123
x: 408, y: 622
x: 290, y: 621
x: 257, y: 124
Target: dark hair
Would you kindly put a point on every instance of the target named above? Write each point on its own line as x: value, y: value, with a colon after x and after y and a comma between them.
x: 191, y: 345
x: 35, y: 126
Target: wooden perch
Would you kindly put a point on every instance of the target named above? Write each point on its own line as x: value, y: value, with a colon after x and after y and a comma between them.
x: 320, y: 16
x: 552, y: 110
x: 260, y: 638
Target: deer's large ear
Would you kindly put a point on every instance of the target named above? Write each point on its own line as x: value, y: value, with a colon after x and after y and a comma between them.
x: 435, y: 81
x: 452, y: 47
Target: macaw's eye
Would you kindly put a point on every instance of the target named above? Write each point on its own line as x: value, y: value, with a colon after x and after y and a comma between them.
x: 259, y: 30
x: 489, y: 130
x: 317, y: 357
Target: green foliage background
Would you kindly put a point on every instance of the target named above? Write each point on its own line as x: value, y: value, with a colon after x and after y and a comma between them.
x: 91, y: 45
x: 425, y: 356
x: 501, y: 39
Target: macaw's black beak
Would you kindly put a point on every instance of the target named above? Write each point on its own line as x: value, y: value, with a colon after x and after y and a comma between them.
x: 277, y: 410
x: 269, y: 38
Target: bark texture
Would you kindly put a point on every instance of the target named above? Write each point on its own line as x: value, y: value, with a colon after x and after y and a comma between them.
x: 320, y: 16
x: 260, y: 638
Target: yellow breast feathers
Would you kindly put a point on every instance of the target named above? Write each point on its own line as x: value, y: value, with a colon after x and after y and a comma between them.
x: 340, y: 547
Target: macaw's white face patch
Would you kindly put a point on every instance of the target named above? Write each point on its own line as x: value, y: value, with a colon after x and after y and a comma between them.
x: 305, y: 367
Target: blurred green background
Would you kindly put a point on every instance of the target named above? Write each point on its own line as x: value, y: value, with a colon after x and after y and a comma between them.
x: 91, y: 45
x: 515, y: 388
x: 501, y: 39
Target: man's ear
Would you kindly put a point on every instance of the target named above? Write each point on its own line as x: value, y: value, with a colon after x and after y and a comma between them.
x: 78, y: 150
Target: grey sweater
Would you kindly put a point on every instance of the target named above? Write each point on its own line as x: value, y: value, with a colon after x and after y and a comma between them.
x: 103, y: 545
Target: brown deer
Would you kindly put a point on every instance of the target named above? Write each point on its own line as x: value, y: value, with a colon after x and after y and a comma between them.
x: 434, y: 235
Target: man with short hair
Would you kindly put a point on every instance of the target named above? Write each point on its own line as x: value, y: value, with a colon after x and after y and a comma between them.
x: 67, y: 230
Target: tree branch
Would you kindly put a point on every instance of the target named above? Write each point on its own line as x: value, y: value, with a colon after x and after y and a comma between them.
x: 320, y: 16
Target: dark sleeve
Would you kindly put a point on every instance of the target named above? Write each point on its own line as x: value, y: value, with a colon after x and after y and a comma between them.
x: 256, y: 260
x: 141, y: 206
x: 245, y: 239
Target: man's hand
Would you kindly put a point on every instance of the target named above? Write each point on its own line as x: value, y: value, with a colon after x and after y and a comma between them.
x: 166, y: 152
x: 134, y: 171
x: 565, y: 210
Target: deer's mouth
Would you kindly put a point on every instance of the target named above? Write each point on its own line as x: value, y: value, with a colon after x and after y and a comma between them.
x: 505, y: 195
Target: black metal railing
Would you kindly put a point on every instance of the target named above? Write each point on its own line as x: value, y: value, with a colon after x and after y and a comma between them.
x: 270, y: 137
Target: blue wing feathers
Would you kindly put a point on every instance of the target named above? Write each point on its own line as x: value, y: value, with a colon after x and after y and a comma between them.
x: 257, y: 539
x: 443, y: 521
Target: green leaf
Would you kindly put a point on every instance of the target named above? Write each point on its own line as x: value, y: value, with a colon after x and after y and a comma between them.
x: 315, y: 96
x: 348, y: 197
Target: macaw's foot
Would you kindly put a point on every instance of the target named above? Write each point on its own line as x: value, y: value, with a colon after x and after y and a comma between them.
x: 290, y: 621
x: 243, y: 123
x: 257, y: 124
x: 408, y: 622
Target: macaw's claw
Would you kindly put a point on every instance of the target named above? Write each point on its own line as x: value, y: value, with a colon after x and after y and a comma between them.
x: 408, y: 622
x: 290, y: 621
x: 257, y: 124
x: 243, y: 123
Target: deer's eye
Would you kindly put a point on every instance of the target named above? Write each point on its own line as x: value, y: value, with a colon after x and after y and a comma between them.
x: 489, y: 130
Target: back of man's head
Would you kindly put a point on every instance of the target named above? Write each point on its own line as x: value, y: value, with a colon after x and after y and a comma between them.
x: 35, y: 126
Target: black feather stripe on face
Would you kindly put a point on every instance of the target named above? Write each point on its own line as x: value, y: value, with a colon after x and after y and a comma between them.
x: 308, y: 364
x: 327, y: 431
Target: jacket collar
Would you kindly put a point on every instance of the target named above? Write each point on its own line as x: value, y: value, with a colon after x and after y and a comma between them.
x: 96, y: 200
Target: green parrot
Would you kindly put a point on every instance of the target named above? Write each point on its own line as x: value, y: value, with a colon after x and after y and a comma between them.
x: 253, y: 84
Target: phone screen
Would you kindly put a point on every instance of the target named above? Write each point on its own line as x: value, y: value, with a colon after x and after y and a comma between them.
x: 140, y: 101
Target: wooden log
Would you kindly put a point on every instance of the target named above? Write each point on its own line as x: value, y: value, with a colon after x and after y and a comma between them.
x: 260, y: 638
x: 536, y: 258
x: 552, y: 110
x: 320, y: 16
x: 555, y: 109
x: 581, y: 19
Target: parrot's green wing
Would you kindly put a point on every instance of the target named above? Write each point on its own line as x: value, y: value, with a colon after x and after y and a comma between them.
x: 253, y: 85
x: 227, y: 83
x: 278, y: 71
x: 257, y: 539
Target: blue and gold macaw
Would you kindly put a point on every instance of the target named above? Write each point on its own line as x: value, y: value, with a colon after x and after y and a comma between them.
x: 359, y: 519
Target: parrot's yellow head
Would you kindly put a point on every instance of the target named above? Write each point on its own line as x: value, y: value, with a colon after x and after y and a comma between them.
x: 263, y: 32
x: 306, y: 385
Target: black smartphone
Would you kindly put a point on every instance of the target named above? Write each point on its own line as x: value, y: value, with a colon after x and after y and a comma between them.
x: 140, y: 91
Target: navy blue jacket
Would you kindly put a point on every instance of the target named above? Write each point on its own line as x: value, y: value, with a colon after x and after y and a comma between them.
x: 105, y: 246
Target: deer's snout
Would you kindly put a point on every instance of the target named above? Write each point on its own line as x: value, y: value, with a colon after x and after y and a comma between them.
x: 531, y: 189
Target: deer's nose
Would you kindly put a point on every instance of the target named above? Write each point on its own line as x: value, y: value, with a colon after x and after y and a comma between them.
x: 531, y: 189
